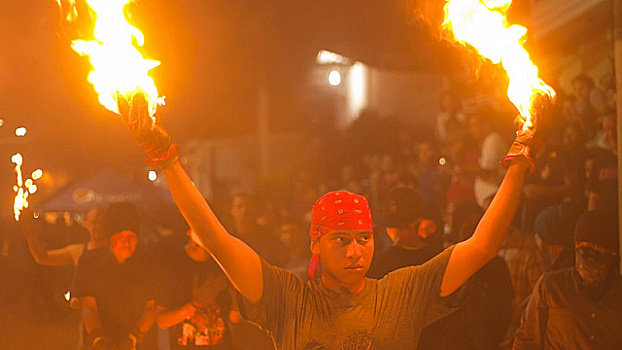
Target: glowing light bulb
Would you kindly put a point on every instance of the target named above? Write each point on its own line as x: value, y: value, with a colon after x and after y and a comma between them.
x: 334, y: 78
x: 21, y: 131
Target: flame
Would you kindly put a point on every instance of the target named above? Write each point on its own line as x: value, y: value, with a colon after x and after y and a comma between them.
x: 117, y: 64
x: 482, y: 25
x: 21, y: 195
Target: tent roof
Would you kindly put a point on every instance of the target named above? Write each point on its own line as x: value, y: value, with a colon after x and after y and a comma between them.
x: 103, y: 188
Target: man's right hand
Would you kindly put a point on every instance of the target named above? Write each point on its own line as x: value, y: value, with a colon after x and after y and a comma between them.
x: 28, y: 223
x: 149, y: 135
x: 530, y: 140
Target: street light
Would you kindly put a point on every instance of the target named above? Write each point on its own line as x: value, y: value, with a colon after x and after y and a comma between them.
x: 21, y: 131
x: 334, y: 78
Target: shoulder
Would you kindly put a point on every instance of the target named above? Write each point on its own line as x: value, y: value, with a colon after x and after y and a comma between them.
x: 567, y: 273
x: 561, y: 279
x: 278, y: 278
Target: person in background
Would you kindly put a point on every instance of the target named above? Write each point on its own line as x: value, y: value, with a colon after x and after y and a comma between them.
x: 482, y: 321
x: 450, y: 119
x: 115, y: 284
x: 245, y: 227
x: 579, y: 307
x: 196, y: 300
x: 526, y: 263
x: 67, y: 255
x: 603, y: 179
x: 492, y: 149
x: 403, y: 221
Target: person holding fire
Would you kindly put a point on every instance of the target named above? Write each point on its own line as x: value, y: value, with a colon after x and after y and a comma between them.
x: 339, y: 307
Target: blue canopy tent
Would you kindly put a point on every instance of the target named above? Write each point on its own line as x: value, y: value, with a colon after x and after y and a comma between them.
x: 105, y: 187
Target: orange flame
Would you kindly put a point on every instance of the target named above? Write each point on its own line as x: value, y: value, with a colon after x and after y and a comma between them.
x: 117, y: 64
x: 482, y: 25
x: 21, y: 195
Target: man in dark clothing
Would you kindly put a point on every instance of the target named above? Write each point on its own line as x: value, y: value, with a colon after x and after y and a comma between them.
x: 579, y: 307
x: 482, y: 321
x: 115, y: 286
x: 403, y: 221
x: 195, y: 299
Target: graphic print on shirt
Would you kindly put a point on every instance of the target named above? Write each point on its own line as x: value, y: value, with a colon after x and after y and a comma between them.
x: 358, y: 341
x: 207, y: 326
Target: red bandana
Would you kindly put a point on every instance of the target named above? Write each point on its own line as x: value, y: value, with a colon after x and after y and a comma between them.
x: 335, y: 211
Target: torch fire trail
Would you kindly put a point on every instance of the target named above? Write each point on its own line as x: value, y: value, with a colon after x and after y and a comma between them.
x: 482, y: 25
x: 118, y: 67
x: 21, y: 195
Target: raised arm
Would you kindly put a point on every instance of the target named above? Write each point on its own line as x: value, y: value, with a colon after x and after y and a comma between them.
x: 470, y: 255
x: 66, y: 255
x: 240, y: 263
x: 55, y: 257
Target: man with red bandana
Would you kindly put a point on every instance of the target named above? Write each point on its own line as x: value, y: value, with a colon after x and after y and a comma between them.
x: 341, y: 308
x: 115, y: 287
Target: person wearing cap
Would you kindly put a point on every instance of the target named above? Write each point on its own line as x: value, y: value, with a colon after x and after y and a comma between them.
x: 554, y: 227
x: 195, y: 299
x: 579, y: 307
x: 339, y: 307
x: 69, y: 254
x: 115, y: 286
x: 407, y: 229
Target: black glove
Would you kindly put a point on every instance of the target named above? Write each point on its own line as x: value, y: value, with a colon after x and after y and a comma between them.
x: 152, y: 137
x: 530, y: 139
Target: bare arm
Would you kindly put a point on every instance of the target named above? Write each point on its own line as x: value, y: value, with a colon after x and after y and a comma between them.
x: 240, y: 263
x: 168, y: 318
x: 67, y: 255
x: 470, y: 255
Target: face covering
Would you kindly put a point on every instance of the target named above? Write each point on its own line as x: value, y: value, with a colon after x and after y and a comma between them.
x: 593, y: 266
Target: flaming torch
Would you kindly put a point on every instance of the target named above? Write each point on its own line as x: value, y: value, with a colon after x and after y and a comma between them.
x: 118, y: 67
x: 482, y: 25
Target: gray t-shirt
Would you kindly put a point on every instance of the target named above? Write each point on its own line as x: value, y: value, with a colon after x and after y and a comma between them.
x: 388, y: 314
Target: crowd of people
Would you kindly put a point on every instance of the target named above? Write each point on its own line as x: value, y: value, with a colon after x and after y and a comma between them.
x: 471, y: 246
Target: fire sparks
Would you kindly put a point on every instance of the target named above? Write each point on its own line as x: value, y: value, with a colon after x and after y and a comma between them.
x: 23, y: 188
x: 117, y: 65
x: 21, y: 195
x: 482, y: 24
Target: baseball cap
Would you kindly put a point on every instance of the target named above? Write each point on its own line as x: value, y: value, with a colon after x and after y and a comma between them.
x: 599, y: 228
x: 120, y: 216
x: 555, y: 225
